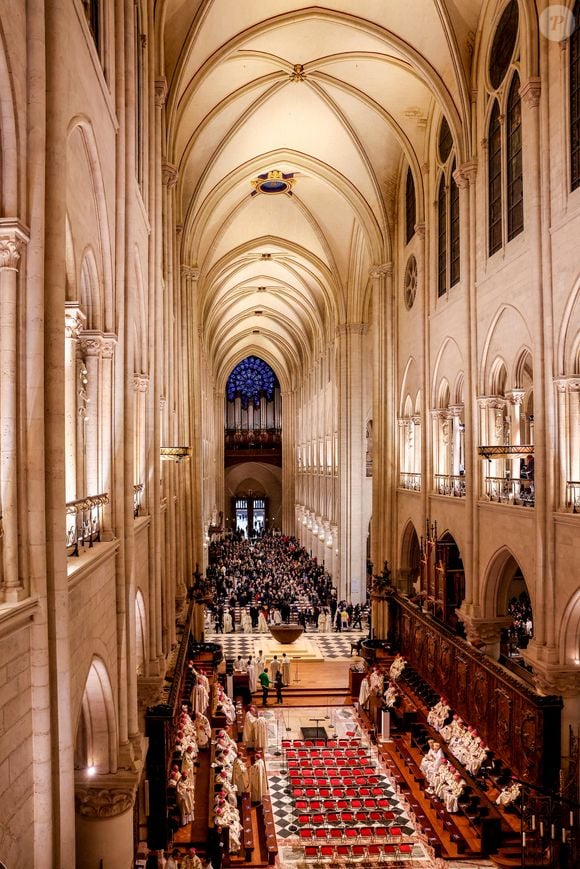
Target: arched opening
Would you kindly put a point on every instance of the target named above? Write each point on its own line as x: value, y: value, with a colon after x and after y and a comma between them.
x: 140, y: 633
x: 410, y: 561
x: 442, y: 585
x: 96, y: 738
x: 513, y: 600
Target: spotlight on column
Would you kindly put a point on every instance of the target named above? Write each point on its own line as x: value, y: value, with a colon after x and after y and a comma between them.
x: 91, y: 770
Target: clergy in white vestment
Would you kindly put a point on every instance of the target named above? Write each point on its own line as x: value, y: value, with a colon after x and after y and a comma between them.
x: 249, y: 731
x: 262, y: 623
x: 240, y: 776
x: 260, y: 662
x: 202, y: 730
x: 258, y: 781
x: 185, y: 799
x: 364, y: 691
x: 285, y: 669
x: 252, y: 677
x: 246, y: 621
x: 228, y: 622
x: 188, y: 760
x: 261, y: 733
x: 274, y: 667
x: 199, y: 696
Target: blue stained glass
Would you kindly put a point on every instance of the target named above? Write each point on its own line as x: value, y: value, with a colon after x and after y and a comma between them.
x: 250, y: 379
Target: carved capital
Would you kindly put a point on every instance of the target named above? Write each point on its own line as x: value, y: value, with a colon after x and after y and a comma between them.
x: 108, y: 344
x: 455, y: 410
x: 516, y: 397
x: 90, y: 343
x: 160, y: 91
x: 530, y: 92
x: 141, y: 382
x: 383, y: 270
x: 484, y: 632
x: 169, y: 175
x: 568, y: 384
x: 557, y: 680
x: 439, y: 413
x: 191, y: 272
x: 491, y: 401
x: 466, y: 174
x: 74, y: 320
x: 13, y: 237
x: 99, y: 802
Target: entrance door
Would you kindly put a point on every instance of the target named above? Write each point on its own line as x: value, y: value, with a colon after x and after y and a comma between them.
x: 259, y: 517
x: 242, y: 515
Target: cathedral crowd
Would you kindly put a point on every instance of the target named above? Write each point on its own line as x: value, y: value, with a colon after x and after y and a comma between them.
x: 273, y: 580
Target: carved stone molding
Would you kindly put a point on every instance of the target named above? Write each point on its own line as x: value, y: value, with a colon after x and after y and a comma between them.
x: 420, y: 230
x: 568, y: 384
x: 530, y: 92
x: 383, y: 270
x: 562, y: 680
x: 169, y: 175
x: 90, y: 343
x: 439, y: 413
x: 497, y: 402
x: 109, y: 342
x: 484, y: 632
x: 516, y: 397
x: 160, y: 91
x: 351, y: 329
x: 454, y: 410
x: 466, y: 173
x: 98, y: 802
x: 74, y: 320
x: 141, y: 382
x: 191, y: 272
x: 13, y: 237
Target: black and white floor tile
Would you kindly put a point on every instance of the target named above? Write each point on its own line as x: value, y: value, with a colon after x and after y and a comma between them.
x: 332, y: 646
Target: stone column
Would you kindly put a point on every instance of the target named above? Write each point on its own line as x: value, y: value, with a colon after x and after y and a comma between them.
x: 349, y: 340
x: 542, y: 586
x: 384, y: 445
x: 465, y: 178
x: 74, y: 324
x: 106, y: 429
x: 288, y: 460
x: 104, y: 821
x: 565, y: 682
x: 13, y: 237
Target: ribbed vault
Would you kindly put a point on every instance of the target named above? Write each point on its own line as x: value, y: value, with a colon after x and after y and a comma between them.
x: 339, y: 99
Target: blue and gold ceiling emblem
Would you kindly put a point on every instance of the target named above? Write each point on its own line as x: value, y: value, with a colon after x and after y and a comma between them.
x: 273, y: 181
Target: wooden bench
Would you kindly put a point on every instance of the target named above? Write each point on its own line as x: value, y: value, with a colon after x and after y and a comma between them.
x: 247, y: 830
x: 269, y: 829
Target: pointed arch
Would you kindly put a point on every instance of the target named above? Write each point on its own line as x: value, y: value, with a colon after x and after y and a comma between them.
x: 96, y: 733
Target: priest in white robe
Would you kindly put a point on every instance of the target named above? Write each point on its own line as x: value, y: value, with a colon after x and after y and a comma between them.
x: 258, y: 780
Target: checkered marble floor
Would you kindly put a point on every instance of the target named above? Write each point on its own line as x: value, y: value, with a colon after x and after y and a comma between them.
x: 332, y: 646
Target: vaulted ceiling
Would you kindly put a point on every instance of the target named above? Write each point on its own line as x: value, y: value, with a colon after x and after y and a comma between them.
x: 336, y: 98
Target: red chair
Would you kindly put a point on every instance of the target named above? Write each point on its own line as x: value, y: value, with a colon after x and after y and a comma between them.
x: 341, y: 804
x: 311, y: 851
x: 301, y: 804
x: 381, y: 832
x: 356, y: 804
x: 321, y: 833
x: 306, y: 833
x: 361, y: 817
x: 335, y: 781
x: 350, y: 792
x: 369, y: 803
x: 324, y: 792
x: 333, y: 818
x: 376, y: 817
x: 342, y: 850
x: 373, y: 850
x: 297, y: 792
x: 405, y: 848
x: 317, y: 819
x: 395, y: 831
x: 327, y: 851
x: 364, y: 792
x: 303, y: 819
x: 328, y: 804
x: 347, y: 817
x: 389, y: 849
x: 348, y: 781
x: 350, y: 833
x: 316, y: 805
x: 377, y: 791
x: 357, y: 850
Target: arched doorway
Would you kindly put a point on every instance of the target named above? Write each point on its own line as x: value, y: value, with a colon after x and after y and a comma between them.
x: 442, y: 587
x: 410, y: 560
x: 96, y: 737
x: 513, y: 600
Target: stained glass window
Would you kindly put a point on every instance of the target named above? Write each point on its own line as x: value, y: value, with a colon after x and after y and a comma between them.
x: 453, y: 229
x: 515, y: 175
x: 442, y: 238
x: 504, y: 43
x: 251, y: 379
x: 494, y: 180
x: 410, y: 208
